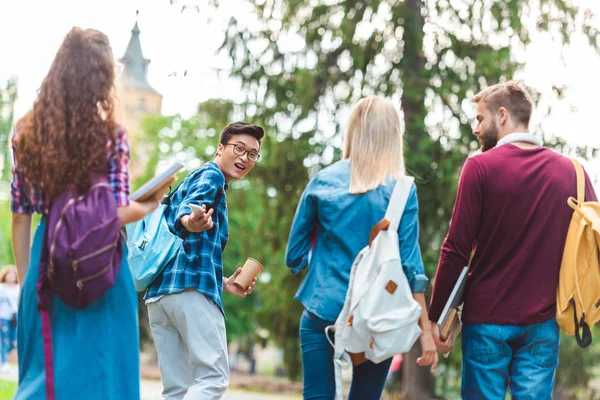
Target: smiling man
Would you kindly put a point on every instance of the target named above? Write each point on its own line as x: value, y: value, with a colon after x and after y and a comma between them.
x: 184, y: 303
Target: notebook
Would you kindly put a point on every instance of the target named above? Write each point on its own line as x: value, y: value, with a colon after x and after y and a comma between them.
x: 155, y: 183
x: 450, y: 317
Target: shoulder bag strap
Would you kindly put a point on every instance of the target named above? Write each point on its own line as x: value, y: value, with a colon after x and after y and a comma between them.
x: 580, y: 180
x: 398, y: 201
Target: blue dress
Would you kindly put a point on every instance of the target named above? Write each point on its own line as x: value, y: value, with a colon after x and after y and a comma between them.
x: 96, y: 349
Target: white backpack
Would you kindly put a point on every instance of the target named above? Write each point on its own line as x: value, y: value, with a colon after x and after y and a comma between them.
x: 380, y: 317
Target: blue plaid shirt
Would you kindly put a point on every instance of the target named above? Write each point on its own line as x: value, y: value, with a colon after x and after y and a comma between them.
x: 200, y: 264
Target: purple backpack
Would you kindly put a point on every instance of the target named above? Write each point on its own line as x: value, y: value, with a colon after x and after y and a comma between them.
x: 81, y: 255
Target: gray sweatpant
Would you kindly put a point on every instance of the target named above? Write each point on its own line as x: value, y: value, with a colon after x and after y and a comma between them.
x: 189, y: 335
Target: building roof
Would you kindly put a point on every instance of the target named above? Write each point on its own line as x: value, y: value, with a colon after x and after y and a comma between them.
x: 135, y: 66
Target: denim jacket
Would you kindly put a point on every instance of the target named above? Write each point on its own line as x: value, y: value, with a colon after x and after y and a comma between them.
x: 342, y: 223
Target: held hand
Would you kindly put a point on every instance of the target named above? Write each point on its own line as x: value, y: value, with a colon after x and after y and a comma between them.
x: 154, y: 201
x: 429, y: 354
x: 160, y: 193
x: 199, y: 221
x: 229, y: 287
x: 444, y: 346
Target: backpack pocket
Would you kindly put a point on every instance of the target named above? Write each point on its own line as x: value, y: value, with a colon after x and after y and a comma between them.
x: 151, y: 247
x: 92, y: 266
x: 394, y: 320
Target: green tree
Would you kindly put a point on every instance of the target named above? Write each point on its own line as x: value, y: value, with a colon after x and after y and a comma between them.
x: 8, y: 96
x: 577, y: 367
x: 302, y: 64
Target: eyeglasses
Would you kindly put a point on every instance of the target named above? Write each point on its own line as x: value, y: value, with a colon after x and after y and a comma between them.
x: 240, y: 151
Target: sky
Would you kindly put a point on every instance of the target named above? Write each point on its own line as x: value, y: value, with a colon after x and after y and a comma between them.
x: 186, y: 42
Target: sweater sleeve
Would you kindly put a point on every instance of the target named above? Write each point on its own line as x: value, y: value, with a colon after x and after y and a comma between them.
x: 460, y: 241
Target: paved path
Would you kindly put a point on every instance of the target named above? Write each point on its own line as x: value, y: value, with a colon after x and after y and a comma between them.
x: 151, y: 390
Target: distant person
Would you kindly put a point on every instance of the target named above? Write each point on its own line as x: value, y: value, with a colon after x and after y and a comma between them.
x: 342, y: 203
x: 70, y: 134
x: 394, y: 370
x: 509, y: 226
x: 185, y: 307
x: 9, y: 306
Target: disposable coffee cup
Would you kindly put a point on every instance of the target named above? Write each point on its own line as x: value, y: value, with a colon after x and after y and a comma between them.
x: 250, y: 270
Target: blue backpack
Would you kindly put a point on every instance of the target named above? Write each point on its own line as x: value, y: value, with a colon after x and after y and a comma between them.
x: 152, y: 245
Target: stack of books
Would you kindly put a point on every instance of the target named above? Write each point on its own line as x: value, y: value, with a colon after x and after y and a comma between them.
x: 450, y: 321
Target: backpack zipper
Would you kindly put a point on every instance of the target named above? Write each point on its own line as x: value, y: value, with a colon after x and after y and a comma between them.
x: 80, y: 282
x: 75, y: 263
x: 95, y: 253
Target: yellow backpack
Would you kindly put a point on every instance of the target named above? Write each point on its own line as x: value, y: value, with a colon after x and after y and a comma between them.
x: 578, y: 292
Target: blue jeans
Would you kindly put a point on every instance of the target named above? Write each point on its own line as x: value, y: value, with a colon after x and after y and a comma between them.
x: 368, y: 379
x: 521, y: 358
x: 9, y: 338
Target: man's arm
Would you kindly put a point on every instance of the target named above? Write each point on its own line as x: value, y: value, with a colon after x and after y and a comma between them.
x: 202, y: 191
x: 458, y: 245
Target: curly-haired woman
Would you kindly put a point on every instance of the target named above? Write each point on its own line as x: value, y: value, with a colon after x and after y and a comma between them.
x: 70, y: 134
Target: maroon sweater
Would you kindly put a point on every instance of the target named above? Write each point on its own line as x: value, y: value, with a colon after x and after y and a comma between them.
x: 511, y: 214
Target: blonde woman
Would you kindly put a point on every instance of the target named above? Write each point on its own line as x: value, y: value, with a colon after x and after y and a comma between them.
x: 336, y: 213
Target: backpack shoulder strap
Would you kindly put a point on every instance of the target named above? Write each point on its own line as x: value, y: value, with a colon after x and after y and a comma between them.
x: 48, y: 355
x: 398, y: 201
x: 580, y: 180
x: 167, y: 199
x: 218, y: 197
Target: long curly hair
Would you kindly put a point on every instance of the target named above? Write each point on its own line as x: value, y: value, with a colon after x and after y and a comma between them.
x: 64, y: 139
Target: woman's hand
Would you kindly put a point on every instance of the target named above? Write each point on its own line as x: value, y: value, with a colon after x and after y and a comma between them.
x: 429, y: 355
x: 160, y: 193
x: 137, y: 210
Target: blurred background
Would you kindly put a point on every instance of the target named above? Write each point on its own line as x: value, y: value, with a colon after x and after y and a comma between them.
x: 189, y: 67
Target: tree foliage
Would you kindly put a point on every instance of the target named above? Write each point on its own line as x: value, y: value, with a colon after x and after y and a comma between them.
x: 8, y: 96
x: 302, y: 64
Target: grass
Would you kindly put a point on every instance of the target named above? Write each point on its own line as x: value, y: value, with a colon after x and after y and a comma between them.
x: 7, y: 389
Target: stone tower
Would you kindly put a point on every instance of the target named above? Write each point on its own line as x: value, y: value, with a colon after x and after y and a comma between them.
x: 138, y: 99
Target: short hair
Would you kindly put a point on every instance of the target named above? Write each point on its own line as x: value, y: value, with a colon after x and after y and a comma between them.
x: 238, y: 128
x: 511, y: 95
x: 373, y: 144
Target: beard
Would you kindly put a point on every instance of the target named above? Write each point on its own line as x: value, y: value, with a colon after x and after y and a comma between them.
x: 489, y: 138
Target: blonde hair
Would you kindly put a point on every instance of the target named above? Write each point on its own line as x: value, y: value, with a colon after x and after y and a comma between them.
x: 373, y: 144
x: 511, y: 95
x: 5, y: 270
